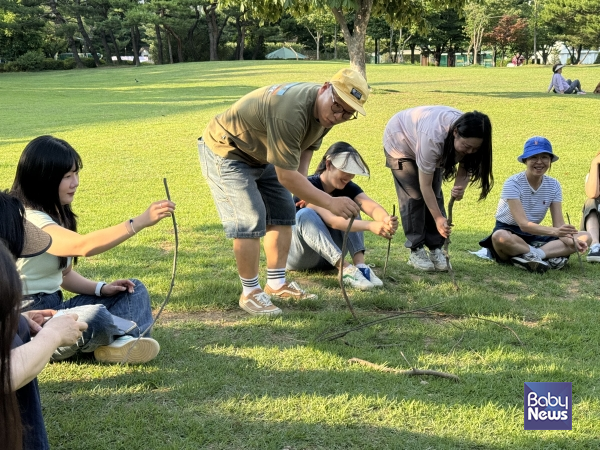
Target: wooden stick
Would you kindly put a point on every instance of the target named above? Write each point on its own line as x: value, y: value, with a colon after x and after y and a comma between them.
x: 447, y: 241
x: 411, y: 372
x: 387, y: 257
x: 341, y: 272
x: 173, y: 273
x: 575, y: 245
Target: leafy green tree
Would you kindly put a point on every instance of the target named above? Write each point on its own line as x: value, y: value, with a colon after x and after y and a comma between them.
x: 317, y: 22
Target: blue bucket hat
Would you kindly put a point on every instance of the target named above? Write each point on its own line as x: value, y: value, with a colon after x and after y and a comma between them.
x: 534, y: 146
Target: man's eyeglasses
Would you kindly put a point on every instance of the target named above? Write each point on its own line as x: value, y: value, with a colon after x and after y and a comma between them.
x: 338, y: 109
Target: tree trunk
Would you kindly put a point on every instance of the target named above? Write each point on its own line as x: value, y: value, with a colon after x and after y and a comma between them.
x: 118, y: 52
x: 318, y: 43
x: 134, y: 47
x: 60, y: 20
x: 259, y: 43
x: 335, y: 42
x: 159, y: 44
x: 412, y: 52
x: 86, y: 37
x: 179, y: 44
x: 356, y: 40
x: 107, y: 52
x: 213, y: 30
x: 241, y: 36
x: 170, y: 48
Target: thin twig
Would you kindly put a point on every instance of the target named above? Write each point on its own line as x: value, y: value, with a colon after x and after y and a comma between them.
x: 173, y: 273
x: 411, y: 372
x: 575, y: 245
x: 398, y: 315
x: 387, y: 256
x: 341, y: 272
x: 447, y: 242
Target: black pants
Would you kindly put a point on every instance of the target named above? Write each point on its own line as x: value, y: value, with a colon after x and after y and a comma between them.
x: 417, y: 222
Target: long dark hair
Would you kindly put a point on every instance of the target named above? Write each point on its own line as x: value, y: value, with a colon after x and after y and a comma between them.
x: 340, y: 147
x: 12, y: 227
x: 42, y: 166
x: 479, y: 164
x: 10, y: 298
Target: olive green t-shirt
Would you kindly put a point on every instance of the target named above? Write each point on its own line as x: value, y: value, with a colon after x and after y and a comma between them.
x: 274, y: 124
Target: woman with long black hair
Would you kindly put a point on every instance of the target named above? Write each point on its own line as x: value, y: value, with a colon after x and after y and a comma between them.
x: 46, y: 182
x: 21, y: 358
x: 425, y: 146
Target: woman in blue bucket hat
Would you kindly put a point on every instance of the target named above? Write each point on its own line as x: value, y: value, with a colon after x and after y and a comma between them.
x: 526, y: 197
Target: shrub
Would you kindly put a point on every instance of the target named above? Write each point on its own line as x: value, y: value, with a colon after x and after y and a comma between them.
x: 69, y: 64
x: 30, y: 62
x: 2, y: 69
x: 53, y: 64
x: 88, y: 62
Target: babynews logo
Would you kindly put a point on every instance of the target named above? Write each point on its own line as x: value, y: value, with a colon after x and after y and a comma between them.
x: 548, y: 406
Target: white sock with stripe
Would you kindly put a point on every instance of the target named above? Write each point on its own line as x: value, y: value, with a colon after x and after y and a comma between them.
x: 249, y: 284
x: 275, y: 278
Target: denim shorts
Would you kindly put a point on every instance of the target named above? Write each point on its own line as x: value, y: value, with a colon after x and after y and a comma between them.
x: 248, y: 198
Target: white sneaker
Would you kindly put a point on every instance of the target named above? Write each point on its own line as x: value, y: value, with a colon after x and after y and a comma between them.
x: 144, y: 350
x: 353, y: 277
x: 531, y: 262
x: 370, y: 275
x: 419, y: 260
x: 438, y: 259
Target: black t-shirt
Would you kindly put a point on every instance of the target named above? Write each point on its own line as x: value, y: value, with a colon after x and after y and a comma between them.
x: 30, y: 406
x: 350, y: 190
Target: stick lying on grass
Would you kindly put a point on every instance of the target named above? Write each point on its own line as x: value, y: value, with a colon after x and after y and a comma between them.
x: 447, y: 241
x: 411, y: 372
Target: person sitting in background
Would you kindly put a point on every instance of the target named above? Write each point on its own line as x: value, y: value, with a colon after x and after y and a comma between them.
x: 589, y: 220
x: 21, y: 358
x: 318, y: 234
x: 526, y: 197
x: 559, y: 85
x: 46, y: 182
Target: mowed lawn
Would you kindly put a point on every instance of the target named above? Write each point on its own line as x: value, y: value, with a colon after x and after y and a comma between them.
x: 226, y: 380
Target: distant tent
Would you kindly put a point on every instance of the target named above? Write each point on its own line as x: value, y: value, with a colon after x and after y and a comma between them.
x: 285, y: 53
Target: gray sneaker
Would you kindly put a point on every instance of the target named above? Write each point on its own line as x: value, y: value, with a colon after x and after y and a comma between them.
x: 558, y: 262
x: 531, y: 262
x: 420, y: 260
x: 438, y: 259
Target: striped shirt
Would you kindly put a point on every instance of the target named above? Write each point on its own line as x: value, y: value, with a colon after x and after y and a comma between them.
x: 535, y: 202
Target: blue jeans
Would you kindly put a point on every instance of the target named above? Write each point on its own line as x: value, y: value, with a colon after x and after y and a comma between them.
x: 248, y: 198
x: 316, y: 246
x: 97, y: 312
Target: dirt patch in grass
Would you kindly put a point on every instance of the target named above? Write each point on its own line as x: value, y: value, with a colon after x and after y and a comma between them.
x: 221, y: 317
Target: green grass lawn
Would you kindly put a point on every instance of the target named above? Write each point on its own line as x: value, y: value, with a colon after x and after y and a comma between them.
x: 226, y: 380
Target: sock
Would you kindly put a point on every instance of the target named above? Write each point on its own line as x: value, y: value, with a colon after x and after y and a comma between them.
x: 537, y: 251
x: 249, y: 284
x: 275, y: 278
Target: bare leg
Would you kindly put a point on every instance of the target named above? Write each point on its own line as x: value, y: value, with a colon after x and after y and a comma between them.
x: 247, y: 253
x: 507, y: 244
x: 277, y: 245
x: 592, y: 225
x: 559, y: 248
x: 358, y: 258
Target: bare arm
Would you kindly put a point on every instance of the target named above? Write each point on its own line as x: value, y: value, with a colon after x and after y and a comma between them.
x: 68, y: 243
x: 460, y: 183
x: 295, y: 182
x: 305, y: 159
x: 74, y: 282
x: 425, y: 184
x: 559, y: 229
x: 28, y: 360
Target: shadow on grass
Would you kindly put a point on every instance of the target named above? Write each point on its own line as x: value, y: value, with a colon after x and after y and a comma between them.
x: 217, y: 387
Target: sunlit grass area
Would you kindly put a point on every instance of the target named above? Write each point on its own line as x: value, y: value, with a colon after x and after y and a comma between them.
x: 226, y: 380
